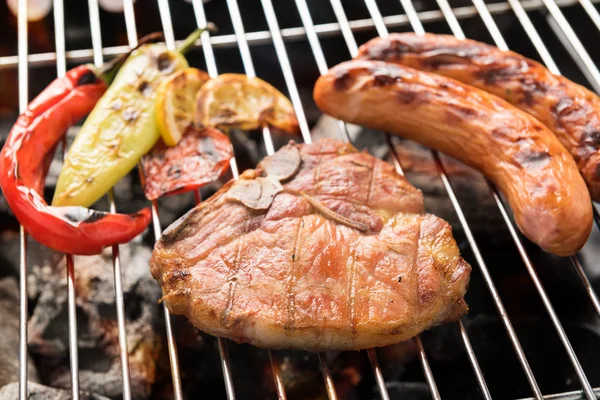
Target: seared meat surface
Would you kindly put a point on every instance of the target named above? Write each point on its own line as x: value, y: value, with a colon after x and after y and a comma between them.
x: 321, y: 247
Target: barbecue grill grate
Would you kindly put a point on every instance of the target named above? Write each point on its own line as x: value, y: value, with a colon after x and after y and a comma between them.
x: 312, y: 33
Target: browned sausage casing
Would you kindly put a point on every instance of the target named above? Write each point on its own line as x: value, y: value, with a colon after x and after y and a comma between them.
x: 539, y: 178
x: 571, y: 111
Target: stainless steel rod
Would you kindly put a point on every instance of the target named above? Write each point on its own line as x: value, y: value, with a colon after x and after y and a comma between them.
x: 427, y: 369
x: 240, y: 33
x: 23, y: 300
x: 589, y: 8
x: 382, y: 31
x: 277, y: 376
x: 72, y: 315
x: 329, y: 383
x: 171, y: 345
x: 533, y: 34
x: 59, y: 38
x: 485, y: 392
x: 490, y: 283
x: 552, y: 67
x: 546, y: 300
x: 489, y: 23
x: 295, y: 33
x: 317, y: 51
x: 580, y: 50
x: 587, y: 388
x: 372, y: 353
x: 211, y: 65
x: 94, y: 13
x: 420, y: 30
x: 167, y: 25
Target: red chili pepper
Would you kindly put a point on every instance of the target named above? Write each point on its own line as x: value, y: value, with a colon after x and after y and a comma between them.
x: 25, y: 160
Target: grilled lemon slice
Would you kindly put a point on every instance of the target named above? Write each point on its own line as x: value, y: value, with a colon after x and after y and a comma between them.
x: 238, y: 101
x: 175, y: 98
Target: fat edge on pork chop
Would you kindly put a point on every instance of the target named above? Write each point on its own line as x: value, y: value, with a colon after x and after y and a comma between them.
x: 321, y: 247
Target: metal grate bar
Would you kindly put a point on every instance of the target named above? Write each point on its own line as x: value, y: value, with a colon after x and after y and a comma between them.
x: 212, y: 71
x: 172, y: 346
x: 552, y: 67
x: 286, y: 68
x: 296, y: 33
x: 587, y: 285
x: 583, y: 55
x: 533, y: 34
x: 591, y: 11
x: 117, y: 273
x: 321, y: 63
x: 427, y: 369
x: 130, y: 26
x: 238, y: 26
x: 317, y: 51
x: 489, y: 23
x: 277, y: 376
x: 558, y: 326
x: 474, y: 363
x: 59, y: 30
x: 346, y: 28
x: 574, y: 47
x: 413, y: 17
x: 487, y: 18
x: 173, y: 357
x: 419, y: 30
x: 23, y: 300
x: 372, y: 353
x: 353, y: 49
x: 73, y: 351
x: 329, y: 383
x: 312, y: 32
x: 587, y: 388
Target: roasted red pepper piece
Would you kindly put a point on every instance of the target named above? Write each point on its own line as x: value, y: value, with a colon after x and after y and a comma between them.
x: 24, y: 163
x: 200, y: 158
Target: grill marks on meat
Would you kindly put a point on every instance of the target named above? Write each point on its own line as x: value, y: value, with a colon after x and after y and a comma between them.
x: 293, y: 276
x: 569, y: 110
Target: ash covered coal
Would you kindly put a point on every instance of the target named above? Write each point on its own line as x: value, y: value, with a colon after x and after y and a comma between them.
x: 100, y: 370
x: 9, y: 333
x: 41, y: 392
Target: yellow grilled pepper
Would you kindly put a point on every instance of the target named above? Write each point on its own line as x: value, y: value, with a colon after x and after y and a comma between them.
x: 120, y: 129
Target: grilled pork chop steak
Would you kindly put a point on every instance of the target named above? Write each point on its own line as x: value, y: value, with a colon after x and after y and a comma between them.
x: 319, y: 248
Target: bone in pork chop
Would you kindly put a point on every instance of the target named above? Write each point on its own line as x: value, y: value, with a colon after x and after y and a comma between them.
x: 319, y: 248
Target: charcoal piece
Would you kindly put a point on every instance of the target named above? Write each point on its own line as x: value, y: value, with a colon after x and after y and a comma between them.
x: 406, y: 390
x: 41, y: 392
x: 41, y: 260
x: 100, y: 370
x: 9, y: 332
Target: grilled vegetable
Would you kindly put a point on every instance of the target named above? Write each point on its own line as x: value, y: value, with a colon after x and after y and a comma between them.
x: 238, y: 101
x: 120, y: 129
x: 24, y: 163
x: 201, y: 157
x: 175, y: 100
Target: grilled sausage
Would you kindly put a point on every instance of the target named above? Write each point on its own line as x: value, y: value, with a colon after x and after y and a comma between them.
x: 569, y: 110
x: 512, y: 149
